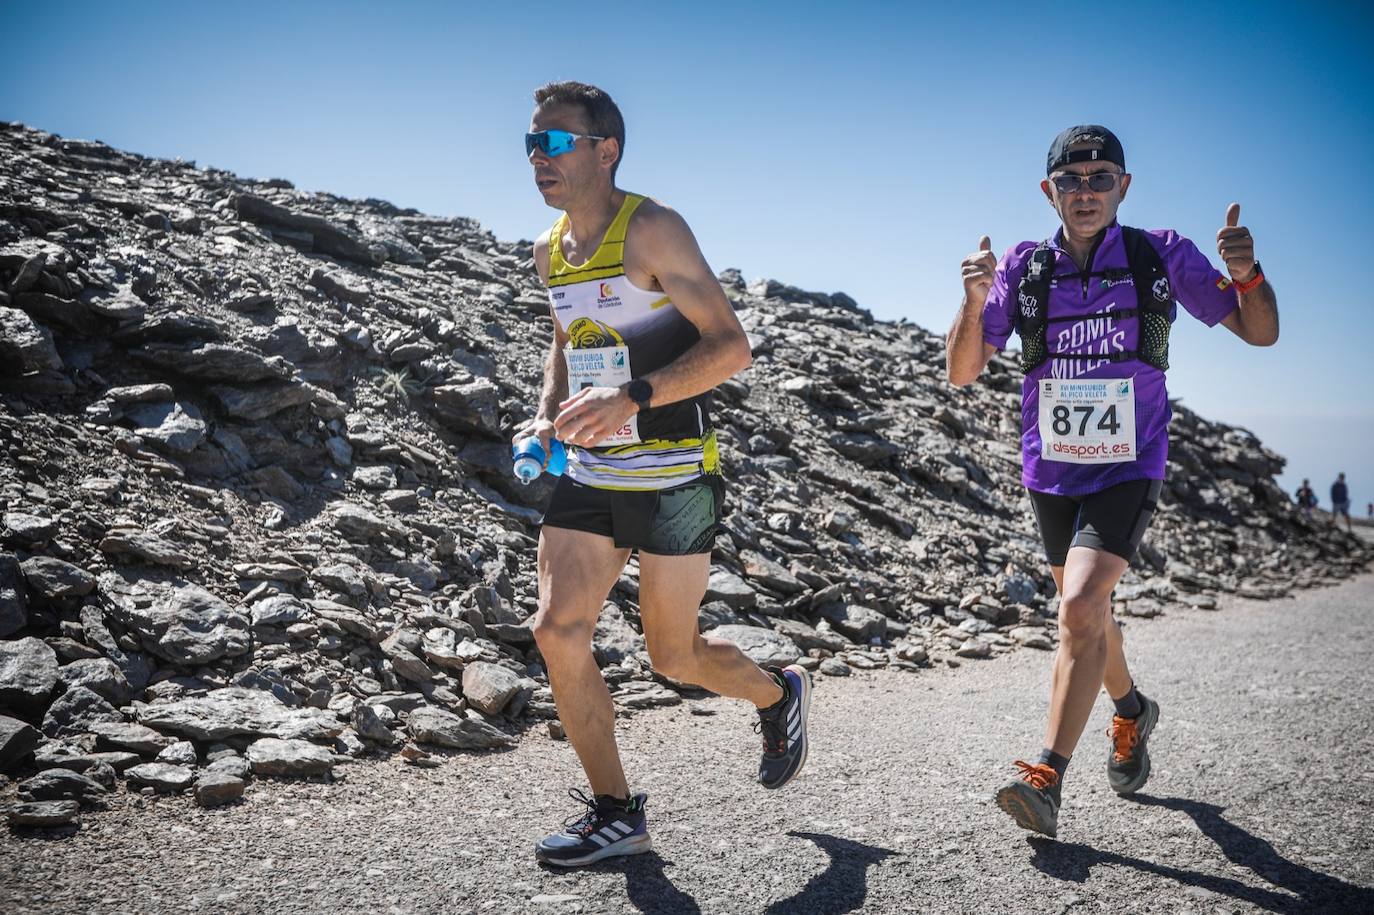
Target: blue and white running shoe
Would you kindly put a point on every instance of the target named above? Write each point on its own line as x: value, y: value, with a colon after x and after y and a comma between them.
x: 783, y: 727
x: 606, y: 829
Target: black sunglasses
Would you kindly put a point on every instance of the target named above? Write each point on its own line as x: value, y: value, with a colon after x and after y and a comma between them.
x: 1097, y: 182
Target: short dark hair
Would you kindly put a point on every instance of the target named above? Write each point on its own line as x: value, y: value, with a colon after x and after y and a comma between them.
x: 603, y: 116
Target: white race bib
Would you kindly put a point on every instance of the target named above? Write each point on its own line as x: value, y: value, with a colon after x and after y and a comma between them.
x: 1087, y: 422
x: 597, y: 367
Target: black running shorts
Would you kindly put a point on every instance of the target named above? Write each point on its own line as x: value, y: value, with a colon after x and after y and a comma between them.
x: 1113, y: 519
x: 679, y: 521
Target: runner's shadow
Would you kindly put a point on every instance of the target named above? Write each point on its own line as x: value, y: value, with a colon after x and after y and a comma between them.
x: 842, y: 886
x: 1315, y: 891
x: 648, y: 887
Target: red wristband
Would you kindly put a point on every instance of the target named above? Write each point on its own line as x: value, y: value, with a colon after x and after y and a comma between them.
x: 1250, y: 284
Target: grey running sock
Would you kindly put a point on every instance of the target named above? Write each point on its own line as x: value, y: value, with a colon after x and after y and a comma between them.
x: 1056, y: 762
x: 1128, y: 706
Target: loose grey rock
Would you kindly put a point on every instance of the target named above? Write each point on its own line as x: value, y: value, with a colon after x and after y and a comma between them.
x: 61, y: 784
x: 237, y: 711
x: 17, y: 740
x: 862, y: 624
x: 26, y: 344
x: 28, y: 674
x: 215, y: 789
x: 29, y: 529
x: 14, y: 599
x: 181, y: 753
x: 726, y: 586
x: 445, y: 729
x: 288, y: 758
x: 125, y: 735
x: 54, y: 579
x: 44, y: 814
x: 236, y: 766
x: 100, y: 675
x: 75, y: 711
x: 175, y: 427
x: 369, y: 724
x: 488, y: 687
x: 147, y: 547
x: 164, y: 778
x: 181, y: 623
x: 834, y: 667
x: 763, y: 646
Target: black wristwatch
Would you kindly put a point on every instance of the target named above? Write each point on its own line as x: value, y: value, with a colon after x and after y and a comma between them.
x: 641, y: 392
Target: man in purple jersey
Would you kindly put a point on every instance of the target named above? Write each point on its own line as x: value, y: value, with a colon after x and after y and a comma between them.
x: 1092, y: 306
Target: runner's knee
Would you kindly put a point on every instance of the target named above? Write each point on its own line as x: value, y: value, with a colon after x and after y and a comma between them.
x: 1082, y: 615
x: 559, y: 637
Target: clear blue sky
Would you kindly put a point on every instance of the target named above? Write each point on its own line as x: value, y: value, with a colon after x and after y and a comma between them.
x: 860, y: 147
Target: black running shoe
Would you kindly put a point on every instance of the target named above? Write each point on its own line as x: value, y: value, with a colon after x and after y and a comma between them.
x: 783, y: 726
x: 1128, y: 759
x: 606, y: 829
x: 1032, y: 798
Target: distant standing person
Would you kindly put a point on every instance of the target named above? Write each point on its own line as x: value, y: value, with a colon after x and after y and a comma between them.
x: 1340, y: 501
x: 1306, y: 496
x: 1093, y: 306
x: 642, y: 333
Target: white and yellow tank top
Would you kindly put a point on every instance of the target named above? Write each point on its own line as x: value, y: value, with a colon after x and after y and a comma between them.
x: 616, y: 332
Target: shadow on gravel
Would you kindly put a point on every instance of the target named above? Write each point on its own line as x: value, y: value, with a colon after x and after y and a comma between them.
x: 1315, y: 891
x: 648, y: 887
x: 842, y: 886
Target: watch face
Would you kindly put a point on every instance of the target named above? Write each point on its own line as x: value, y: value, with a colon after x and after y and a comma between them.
x: 640, y: 391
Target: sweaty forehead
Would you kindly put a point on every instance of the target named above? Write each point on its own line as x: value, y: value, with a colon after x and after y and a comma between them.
x: 559, y: 117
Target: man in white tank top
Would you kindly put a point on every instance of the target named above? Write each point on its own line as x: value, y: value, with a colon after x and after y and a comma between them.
x: 642, y: 334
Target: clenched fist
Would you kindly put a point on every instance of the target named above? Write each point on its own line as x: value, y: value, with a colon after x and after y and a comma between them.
x: 978, y: 270
x: 1235, y: 246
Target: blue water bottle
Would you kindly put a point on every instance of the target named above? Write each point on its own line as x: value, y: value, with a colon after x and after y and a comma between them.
x: 529, y: 458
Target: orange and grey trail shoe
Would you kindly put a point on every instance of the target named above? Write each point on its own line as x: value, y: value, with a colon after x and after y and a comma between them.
x: 1032, y: 798
x: 1128, y: 759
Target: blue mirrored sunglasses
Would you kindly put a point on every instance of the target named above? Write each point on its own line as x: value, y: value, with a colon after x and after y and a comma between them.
x: 554, y: 142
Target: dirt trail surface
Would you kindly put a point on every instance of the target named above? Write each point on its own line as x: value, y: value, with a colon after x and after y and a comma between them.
x: 1258, y: 802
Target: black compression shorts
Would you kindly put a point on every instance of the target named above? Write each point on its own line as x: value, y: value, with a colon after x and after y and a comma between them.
x: 1113, y: 519
x: 679, y: 521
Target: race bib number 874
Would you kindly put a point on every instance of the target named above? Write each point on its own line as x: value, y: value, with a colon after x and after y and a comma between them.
x: 1087, y: 422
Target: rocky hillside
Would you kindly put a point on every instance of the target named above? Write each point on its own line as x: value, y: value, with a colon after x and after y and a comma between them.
x: 258, y: 516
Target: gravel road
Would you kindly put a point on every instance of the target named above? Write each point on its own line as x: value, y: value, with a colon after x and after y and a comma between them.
x: 1259, y: 801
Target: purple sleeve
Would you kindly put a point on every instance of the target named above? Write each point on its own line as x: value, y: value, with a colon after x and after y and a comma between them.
x: 999, y: 318
x: 1204, y: 291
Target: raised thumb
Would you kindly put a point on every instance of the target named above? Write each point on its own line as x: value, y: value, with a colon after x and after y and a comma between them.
x: 1233, y: 215
x: 984, y: 244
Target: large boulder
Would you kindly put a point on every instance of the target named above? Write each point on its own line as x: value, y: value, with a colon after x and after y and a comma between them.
x: 28, y: 675
x: 236, y: 711
x: 181, y: 623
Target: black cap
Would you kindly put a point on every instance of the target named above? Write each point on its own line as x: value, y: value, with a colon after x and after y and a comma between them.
x: 1110, y: 147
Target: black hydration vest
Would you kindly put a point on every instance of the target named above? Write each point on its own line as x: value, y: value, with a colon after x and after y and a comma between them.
x: 1153, y: 294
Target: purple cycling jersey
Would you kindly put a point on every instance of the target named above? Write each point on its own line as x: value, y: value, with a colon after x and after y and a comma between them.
x: 1198, y: 286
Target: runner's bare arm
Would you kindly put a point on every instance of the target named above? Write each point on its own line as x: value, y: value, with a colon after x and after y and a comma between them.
x: 664, y: 244
x: 966, y: 352
x: 1256, y: 319
x: 660, y: 244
